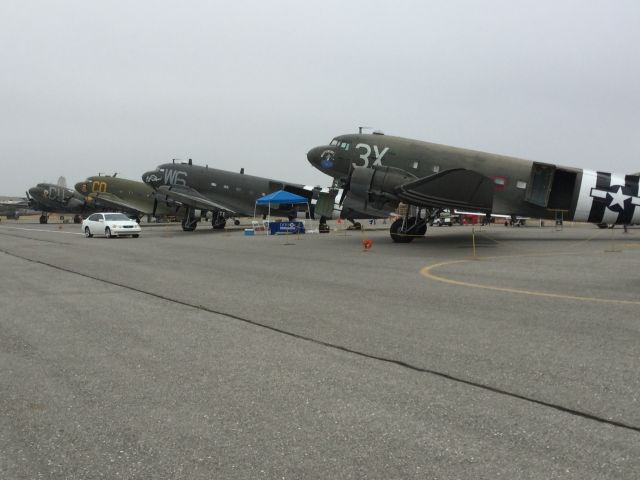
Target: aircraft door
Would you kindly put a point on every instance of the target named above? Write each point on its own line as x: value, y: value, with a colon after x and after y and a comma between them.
x: 540, y: 183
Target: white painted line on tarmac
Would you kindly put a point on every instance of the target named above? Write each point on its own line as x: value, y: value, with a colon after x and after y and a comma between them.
x: 40, y: 230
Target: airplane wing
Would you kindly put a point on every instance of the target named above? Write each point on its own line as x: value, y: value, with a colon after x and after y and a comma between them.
x: 110, y: 200
x: 455, y: 188
x: 190, y: 197
x: 21, y: 203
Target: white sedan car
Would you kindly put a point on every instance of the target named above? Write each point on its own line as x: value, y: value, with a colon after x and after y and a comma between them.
x: 110, y: 225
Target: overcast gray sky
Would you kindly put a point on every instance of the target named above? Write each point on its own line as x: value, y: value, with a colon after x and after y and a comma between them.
x: 122, y: 86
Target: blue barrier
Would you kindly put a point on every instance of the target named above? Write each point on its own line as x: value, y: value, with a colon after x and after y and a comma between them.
x: 283, y: 228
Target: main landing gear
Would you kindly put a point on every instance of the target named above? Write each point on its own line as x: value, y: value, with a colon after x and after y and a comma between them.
x: 405, y: 229
x: 218, y: 221
x: 190, y: 220
x: 44, y: 218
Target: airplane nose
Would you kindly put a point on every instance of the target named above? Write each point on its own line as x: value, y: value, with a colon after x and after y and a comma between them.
x: 313, y: 156
x: 81, y: 187
x: 152, y: 178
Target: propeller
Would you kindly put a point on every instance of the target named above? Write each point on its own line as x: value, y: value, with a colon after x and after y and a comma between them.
x: 155, y: 206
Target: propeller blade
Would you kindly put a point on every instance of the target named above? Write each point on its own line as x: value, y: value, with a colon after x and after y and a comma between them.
x: 155, y: 206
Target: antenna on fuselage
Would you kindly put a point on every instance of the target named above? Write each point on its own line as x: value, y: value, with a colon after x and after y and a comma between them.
x: 242, y: 171
x: 190, y: 162
x: 360, y: 129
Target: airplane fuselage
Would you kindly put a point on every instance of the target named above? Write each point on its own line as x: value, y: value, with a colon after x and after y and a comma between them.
x: 520, y: 187
x: 138, y: 195
x: 237, y: 192
x: 48, y: 197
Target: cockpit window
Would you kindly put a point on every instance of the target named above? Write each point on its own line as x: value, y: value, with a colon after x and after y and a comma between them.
x: 334, y: 142
x: 344, y: 146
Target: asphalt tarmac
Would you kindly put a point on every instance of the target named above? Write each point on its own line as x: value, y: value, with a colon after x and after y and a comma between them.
x: 218, y: 355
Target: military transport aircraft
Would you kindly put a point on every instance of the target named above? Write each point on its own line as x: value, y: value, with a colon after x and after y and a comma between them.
x: 49, y: 197
x: 13, y: 207
x: 120, y: 194
x: 216, y: 195
x: 379, y: 171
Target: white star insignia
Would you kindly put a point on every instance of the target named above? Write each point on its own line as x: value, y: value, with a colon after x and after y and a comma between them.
x: 618, y: 198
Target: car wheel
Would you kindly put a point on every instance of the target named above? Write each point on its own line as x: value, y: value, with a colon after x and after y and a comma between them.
x: 135, y: 235
x: 107, y: 233
x: 87, y: 232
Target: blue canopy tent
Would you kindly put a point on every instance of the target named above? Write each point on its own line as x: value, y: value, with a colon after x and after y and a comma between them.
x: 281, y: 197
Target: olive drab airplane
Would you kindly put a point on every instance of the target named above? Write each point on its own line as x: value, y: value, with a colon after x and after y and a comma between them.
x: 379, y: 171
x: 215, y: 195
x: 48, y: 198
x: 121, y: 194
x: 13, y: 207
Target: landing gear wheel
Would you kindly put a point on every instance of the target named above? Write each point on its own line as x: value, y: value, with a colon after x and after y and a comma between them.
x: 44, y: 219
x: 107, y: 233
x: 416, y: 227
x: 218, y: 221
x: 398, y: 234
x: 87, y: 232
x: 77, y: 219
x: 187, y: 227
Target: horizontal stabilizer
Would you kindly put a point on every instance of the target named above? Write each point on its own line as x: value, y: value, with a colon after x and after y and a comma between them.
x: 190, y: 197
x: 455, y: 188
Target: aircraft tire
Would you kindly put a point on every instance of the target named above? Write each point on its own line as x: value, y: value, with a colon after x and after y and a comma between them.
x: 87, y: 232
x: 186, y: 227
x: 420, y: 230
x: 397, y: 235
x: 219, y: 225
x: 43, y: 219
x: 77, y: 219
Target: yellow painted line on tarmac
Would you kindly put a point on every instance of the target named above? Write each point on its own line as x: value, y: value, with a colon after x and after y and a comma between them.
x: 427, y: 272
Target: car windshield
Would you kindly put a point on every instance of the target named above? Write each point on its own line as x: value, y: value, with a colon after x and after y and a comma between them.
x: 115, y: 216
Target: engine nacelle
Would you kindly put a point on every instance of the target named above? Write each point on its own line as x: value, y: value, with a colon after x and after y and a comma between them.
x: 371, y: 191
x: 75, y: 203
